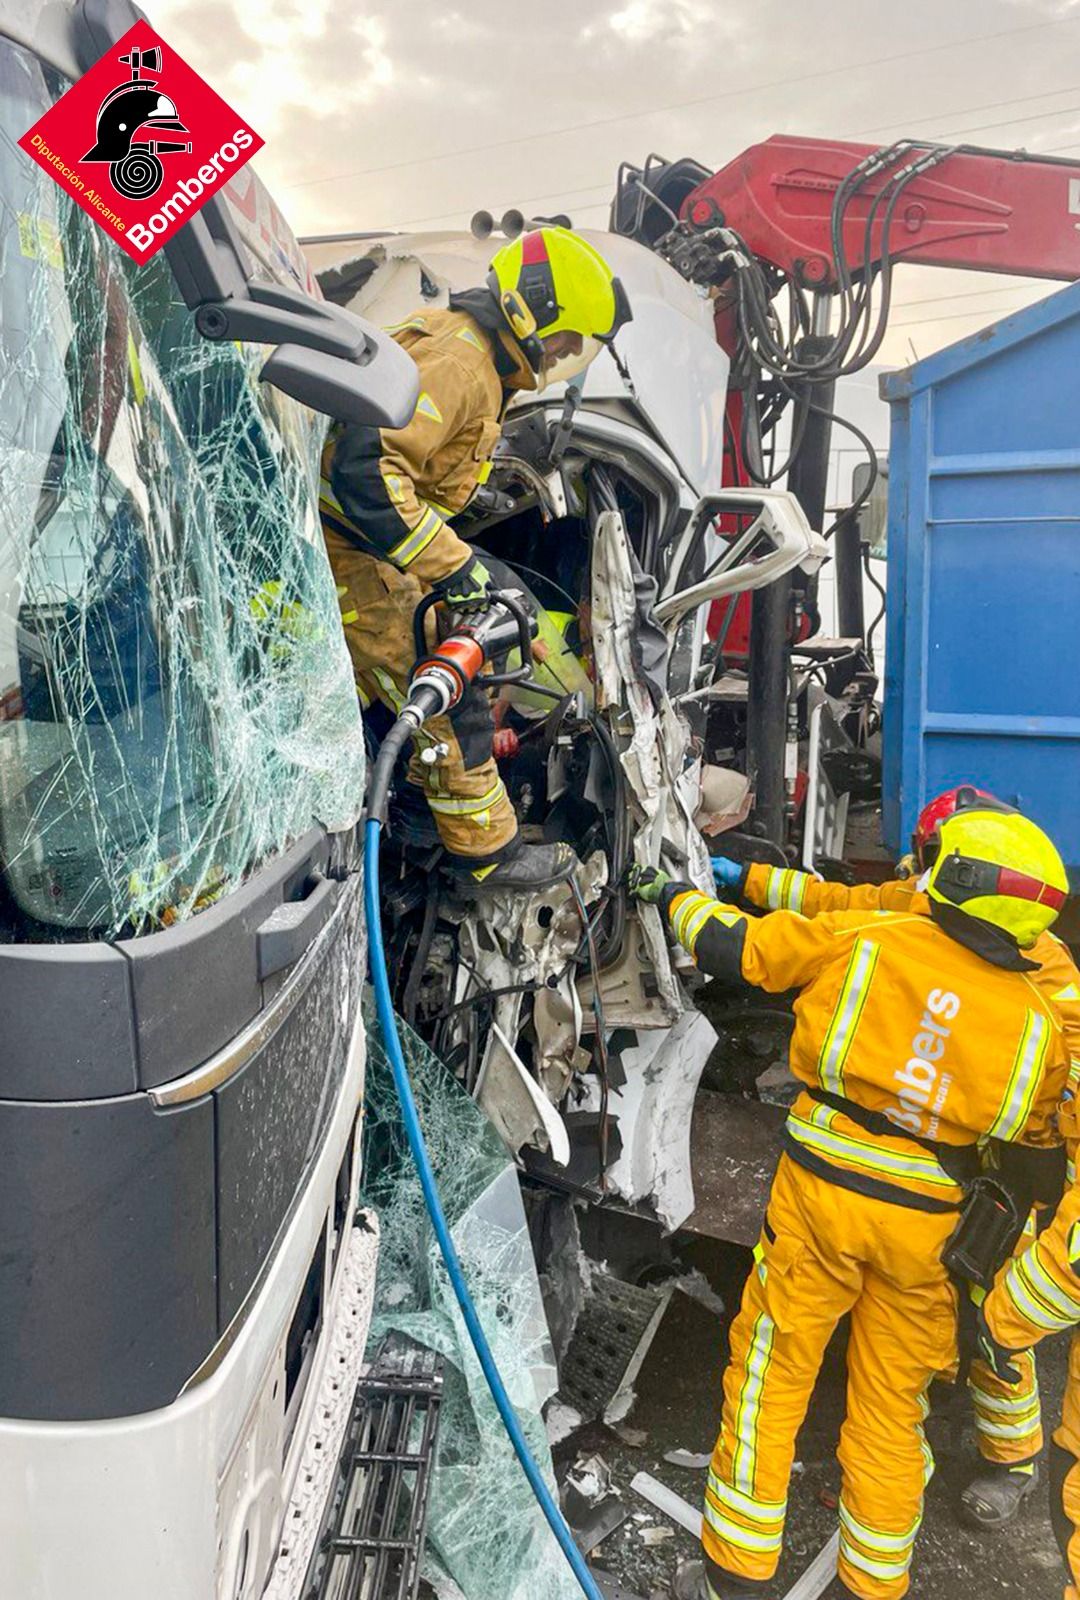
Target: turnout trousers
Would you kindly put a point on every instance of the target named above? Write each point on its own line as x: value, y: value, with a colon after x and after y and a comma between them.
x: 826, y: 1250
x: 1065, y: 1474
x: 1008, y: 1416
x: 468, y: 799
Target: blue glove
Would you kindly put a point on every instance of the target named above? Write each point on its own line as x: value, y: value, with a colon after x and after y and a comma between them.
x: 727, y: 874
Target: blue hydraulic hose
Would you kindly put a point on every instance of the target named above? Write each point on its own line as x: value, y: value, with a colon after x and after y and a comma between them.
x: 414, y: 1133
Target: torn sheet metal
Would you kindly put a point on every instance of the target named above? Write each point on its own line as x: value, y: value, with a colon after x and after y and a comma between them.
x: 527, y: 943
x: 655, y: 1108
x: 654, y: 743
x: 485, y: 1530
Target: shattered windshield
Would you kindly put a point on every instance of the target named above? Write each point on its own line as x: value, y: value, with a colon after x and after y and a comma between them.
x: 176, y: 702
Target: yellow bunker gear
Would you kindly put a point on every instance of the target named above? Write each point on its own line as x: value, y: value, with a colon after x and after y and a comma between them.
x: 1008, y: 1417
x: 385, y: 496
x: 1037, y: 1294
x: 911, y: 1047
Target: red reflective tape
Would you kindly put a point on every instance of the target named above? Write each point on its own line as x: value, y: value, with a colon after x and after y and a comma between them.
x: 533, y: 249
x: 1022, y: 887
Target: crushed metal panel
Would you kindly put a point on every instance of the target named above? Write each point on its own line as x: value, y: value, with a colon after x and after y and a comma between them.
x: 655, y: 1108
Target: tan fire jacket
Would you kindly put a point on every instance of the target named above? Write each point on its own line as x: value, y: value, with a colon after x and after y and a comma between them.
x: 390, y: 490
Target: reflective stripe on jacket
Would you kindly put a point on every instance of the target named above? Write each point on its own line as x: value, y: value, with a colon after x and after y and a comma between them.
x: 899, y: 1018
x: 390, y: 490
x: 786, y: 889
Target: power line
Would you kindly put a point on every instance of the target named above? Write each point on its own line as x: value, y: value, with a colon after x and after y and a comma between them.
x: 966, y: 294
x: 955, y: 316
x: 569, y: 195
x: 969, y: 111
x: 683, y: 105
x: 1058, y: 111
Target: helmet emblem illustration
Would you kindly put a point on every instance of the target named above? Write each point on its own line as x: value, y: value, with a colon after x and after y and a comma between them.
x: 137, y: 107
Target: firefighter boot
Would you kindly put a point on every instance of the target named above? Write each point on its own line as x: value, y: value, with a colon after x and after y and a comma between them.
x: 996, y: 1495
x: 693, y: 1582
x: 519, y: 868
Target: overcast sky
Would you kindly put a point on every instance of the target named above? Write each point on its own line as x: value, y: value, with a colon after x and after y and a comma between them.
x: 401, y: 112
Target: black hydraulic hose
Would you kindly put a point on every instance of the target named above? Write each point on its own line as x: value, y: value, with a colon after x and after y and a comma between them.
x: 382, y: 777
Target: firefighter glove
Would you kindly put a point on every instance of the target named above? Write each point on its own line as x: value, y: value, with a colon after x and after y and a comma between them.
x: 648, y: 883
x: 727, y: 874
x: 467, y: 588
x: 997, y: 1356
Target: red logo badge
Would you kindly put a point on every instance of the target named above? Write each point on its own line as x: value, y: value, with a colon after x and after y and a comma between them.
x: 141, y: 142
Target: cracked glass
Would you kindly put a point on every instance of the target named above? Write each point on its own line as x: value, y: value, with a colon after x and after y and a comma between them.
x: 176, y: 700
x: 485, y: 1529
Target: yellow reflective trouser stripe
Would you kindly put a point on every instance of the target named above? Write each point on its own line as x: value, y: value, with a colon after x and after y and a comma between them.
x: 766, y: 1512
x: 734, y: 1532
x: 847, y: 1014
x: 1036, y: 1296
x: 389, y: 688
x: 888, y: 1544
x: 1024, y: 1078
x: 417, y: 539
x: 785, y: 889
x: 456, y: 806
x: 1010, y: 1430
x: 1005, y: 1405
x: 819, y: 1135
x: 758, y: 1361
x: 868, y: 1564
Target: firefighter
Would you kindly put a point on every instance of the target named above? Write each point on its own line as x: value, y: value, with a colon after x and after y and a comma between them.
x: 548, y: 305
x: 1008, y: 1417
x: 1040, y: 1294
x: 915, y: 1037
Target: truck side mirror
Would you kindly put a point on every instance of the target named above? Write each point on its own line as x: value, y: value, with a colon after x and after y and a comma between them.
x: 327, y: 358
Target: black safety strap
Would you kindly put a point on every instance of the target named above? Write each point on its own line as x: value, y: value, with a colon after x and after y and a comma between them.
x: 960, y: 1161
x: 873, y: 1188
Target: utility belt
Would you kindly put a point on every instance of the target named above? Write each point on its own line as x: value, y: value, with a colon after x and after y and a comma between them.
x: 988, y: 1225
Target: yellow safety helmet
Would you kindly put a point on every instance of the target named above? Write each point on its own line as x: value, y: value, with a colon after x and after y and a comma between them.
x: 999, y: 866
x: 551, y: 280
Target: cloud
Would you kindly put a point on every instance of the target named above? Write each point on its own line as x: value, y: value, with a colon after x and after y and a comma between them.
x: 642, y: 21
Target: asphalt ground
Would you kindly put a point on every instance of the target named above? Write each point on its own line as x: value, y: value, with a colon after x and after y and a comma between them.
x: 678, y: 1408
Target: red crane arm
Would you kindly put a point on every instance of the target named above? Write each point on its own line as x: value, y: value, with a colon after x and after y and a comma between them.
x: 987, y: 210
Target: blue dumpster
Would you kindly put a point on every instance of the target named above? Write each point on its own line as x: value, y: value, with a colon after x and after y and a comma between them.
x: 982, y: 673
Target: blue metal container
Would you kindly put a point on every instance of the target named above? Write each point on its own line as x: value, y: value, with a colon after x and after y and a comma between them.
x: 982, y: 674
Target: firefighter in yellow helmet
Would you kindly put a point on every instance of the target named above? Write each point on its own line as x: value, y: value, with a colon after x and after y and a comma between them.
x: 915, y: 1037
x: 387, y: 496
x: 1008, y: 1416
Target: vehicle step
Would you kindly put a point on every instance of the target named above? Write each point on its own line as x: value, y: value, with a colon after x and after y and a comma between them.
x: 371, y: 1543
